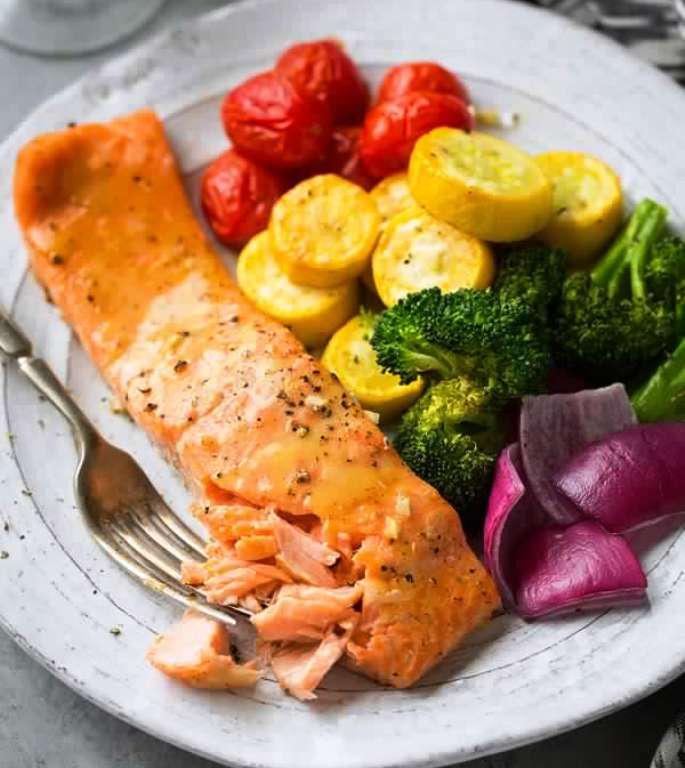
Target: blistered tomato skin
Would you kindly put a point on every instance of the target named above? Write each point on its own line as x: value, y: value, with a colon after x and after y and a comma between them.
x: 344, y: 158
x: 237, y: 196
x: 325, y: 72
x: 392, y: 128
x: 271, y: 122
x: 421, y: 76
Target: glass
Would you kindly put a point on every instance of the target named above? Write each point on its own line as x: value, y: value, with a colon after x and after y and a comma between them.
x: 71, y: 27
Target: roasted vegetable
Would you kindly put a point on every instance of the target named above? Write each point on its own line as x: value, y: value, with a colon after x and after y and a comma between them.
x: 392, y: 196
x: 322, y: 70
x: 237, y: 196
x: 610, y: 322
x: 312, y: 314
x: 417, y: 251
x: 271, y: 122
x: 500, y: 345
x: 533, y: 273
x: 602, y: 483
x: 350, y: 356
x: 323, y: 231
x: 587, y: 204
x: 421, y: 76
x: 392, y: 127
x: 451, y: 438
x: 662, y: 396
x: 560, y: 570
x: 665, y: 277
x: 480, y: 184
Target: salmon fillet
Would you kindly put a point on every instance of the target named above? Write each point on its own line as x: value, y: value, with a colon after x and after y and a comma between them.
x: 290, y: 474
x: 197, y: 652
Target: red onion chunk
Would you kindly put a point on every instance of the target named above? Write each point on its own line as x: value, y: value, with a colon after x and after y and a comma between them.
x: 630, y: 478
x: 559, y: 570
x: 555, y: 427
x: 511, y: 514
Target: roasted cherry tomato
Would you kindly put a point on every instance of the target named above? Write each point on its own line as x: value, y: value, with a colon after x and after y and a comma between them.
x: 237, y: 197
x: 392, y: 127
x: 421, y: 76
x: 344, y: 156
x: 323, y: 70
x: 270, y: 121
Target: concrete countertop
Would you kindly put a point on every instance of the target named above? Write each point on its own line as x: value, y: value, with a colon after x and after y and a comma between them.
x: 44, y: 725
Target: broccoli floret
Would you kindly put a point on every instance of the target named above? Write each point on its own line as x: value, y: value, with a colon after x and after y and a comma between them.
x: 451, y: 438
x: 665, y: 277
x: 404, y: 338
x: 662, y: 396
x: 534, y: 273
x: 500, y: 345
x: 611, y: 322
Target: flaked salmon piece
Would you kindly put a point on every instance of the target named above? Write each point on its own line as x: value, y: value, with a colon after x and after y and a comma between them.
x: 231, y: 580
x: 229, y: 522
x: 196, y: 651
x: 306, y: 558
x: 260, y: 547
x: 232, y: 397
x: 300, y: 669
x: 193, y: 573
x: 301, y: 613
x: 251, y: 603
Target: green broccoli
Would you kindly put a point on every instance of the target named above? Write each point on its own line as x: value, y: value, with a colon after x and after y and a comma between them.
x: 534, y: 273
x: 499, y: 345
x: 611, y: 322
x: 451, y: 438
x: 662, y: 396
x: 665, y: 277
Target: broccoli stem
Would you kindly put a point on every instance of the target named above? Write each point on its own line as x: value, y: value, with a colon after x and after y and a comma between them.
x: 662, y: 397
x: 631, y: 248
x: 649, y: 232
x: 432, y: 357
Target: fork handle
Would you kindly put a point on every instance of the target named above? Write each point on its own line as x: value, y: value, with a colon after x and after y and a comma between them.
x: 15, y: 345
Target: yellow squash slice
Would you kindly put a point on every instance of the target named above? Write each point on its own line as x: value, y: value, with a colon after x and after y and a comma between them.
x: 351, y: 357
x: 418, y: 251
x: 392, y: 195
x: 480, y: 184
x: 323, y: 231
x: 313, y: 314
x: 587, y: 204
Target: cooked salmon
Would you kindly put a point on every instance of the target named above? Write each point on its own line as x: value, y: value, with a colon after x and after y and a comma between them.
x: 197, y: 652
x: 300, y: 668
x: 296, y: 485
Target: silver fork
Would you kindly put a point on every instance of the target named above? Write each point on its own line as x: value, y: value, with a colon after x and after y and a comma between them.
x: 122, y: 510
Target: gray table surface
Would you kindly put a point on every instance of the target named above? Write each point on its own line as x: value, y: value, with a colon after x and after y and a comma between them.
x: 44, y: 725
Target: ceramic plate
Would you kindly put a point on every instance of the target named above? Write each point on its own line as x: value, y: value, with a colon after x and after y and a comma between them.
x: 60, y: 596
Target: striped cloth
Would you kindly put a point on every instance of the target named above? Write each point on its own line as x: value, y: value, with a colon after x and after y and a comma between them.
x: 671, y: 751
x: 654, y: 30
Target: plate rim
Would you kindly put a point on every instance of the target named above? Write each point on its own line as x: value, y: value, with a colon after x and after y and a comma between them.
x: 437, y: 758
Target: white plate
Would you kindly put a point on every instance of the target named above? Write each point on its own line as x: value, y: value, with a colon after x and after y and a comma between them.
x: 59, y: 595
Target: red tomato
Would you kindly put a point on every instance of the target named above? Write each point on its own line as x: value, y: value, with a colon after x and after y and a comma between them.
x: 324, y: 71
x: 268, y: 120
x: 392, y: 127
x: 421, y: 76
x: 344, y: 156
x: 237, y: 196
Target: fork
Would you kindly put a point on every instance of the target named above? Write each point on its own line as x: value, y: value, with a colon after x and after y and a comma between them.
x: 122, y: 510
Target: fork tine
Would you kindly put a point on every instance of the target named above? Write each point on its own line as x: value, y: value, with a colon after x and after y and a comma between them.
x: 166, y: 538
x: 126, y: 527
x: 180, y: 529
x: 126, y: 558
x: 162, y: 564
